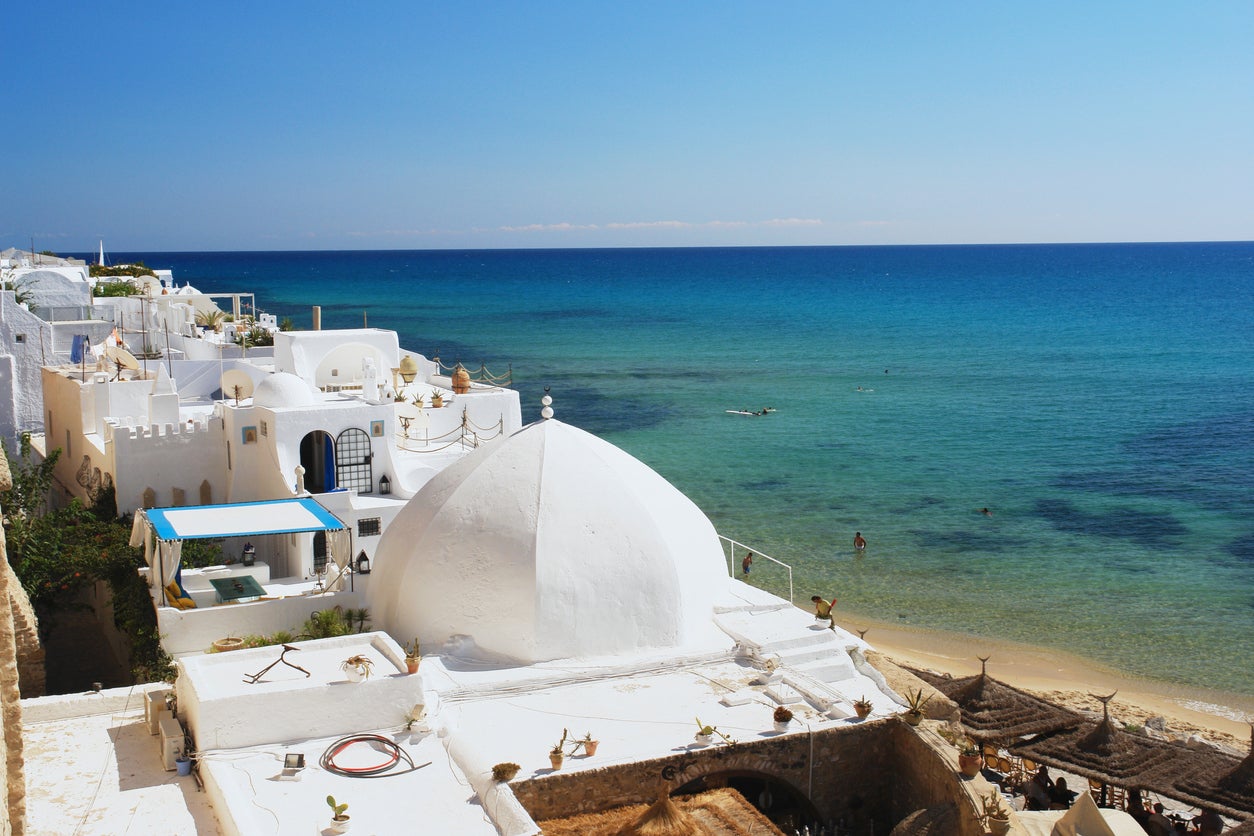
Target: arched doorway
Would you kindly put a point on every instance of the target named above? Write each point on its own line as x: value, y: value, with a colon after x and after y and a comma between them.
x: 779, y: 801
x: 317, y: 456
x: 353, y: 461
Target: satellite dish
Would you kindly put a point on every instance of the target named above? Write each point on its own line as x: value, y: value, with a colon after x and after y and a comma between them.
x: 237, y: 384
x: 122, y: 358
x: 407, y: 410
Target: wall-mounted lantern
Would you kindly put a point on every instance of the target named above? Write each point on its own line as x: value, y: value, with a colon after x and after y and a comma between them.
x: 385, y: 484
x: 363, y: 564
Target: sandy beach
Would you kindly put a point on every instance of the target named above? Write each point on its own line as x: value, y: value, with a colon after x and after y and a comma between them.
x: 1218, y: 717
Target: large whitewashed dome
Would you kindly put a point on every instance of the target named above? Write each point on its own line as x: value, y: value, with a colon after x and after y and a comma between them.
x: 283, y: 389
x: 551, y: 544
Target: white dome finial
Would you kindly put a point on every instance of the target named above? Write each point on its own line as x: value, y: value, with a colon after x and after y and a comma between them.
x: 547, y: 401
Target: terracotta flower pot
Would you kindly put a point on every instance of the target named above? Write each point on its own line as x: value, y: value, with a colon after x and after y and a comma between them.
x: 412, y: 665
x: 556, y: 760
x: 863, y: 711
x: 969, y: 765
x: 590, y: 747
x: 913, y: 717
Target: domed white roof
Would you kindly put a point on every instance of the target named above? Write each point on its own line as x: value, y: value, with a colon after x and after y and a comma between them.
x: 552, y: 544
x: 283, y: 389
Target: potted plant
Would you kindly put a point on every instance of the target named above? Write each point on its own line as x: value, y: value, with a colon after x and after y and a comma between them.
x: 996, y: 817
x: 705, y: 734
x: 437, y: 399
x: 969, y: 760
x: 339, y: 819
x: 863, y: 707
x: 503, y: 773
x: 357, y: 668
x: 415, y: 718
x: 782, y: 716
x: 588, y: 745
x: 558, y: 753
x: 915, y: 703
x: 412, y: 657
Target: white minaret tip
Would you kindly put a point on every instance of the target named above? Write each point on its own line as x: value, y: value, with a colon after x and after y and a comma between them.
x: 547, y: 402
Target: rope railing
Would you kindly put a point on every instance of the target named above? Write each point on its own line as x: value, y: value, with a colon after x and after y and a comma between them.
x: 732, y: 545
x: 460, y: 434
x: 482, y: 375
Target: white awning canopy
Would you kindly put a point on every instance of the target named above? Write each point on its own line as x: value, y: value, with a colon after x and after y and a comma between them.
x: 242, y: 519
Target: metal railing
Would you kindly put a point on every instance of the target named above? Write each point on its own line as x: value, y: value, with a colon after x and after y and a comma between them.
x: 732, y: 545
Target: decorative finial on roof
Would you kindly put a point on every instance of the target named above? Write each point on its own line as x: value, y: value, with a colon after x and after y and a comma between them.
x: 547, y: 401
x: 983, y: 664
x: 862, y: 634
x: 1105, y: 701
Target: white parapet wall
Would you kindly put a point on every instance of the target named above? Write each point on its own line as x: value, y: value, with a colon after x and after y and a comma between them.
x: 223, y: 710
x: 194, y: 631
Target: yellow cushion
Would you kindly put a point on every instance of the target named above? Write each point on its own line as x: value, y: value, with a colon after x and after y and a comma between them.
x: 178, y: 597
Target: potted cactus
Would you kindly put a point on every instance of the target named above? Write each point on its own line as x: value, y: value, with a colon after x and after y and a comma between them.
x: 588, y: 745
x: 339, y: 819
x: 996, y: 817
x: 558, y: 753
x: 412, y: 656
x: 969, y: 760
x: 915, y: 703
x: 863, y: 707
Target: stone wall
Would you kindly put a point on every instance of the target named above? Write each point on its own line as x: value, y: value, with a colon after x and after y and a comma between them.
x: 872, y: 775
x: 12, y: 770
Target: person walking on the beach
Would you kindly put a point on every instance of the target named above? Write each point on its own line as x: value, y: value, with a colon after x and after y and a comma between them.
x: 747, y: 564
x: 859, y: 542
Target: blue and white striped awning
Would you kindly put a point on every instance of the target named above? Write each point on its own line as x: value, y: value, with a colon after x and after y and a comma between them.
x: 242, y: 519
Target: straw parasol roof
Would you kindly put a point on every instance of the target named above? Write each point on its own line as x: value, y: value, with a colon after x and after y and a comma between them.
x: 993, y: 711
x: 721, y: 812
x: 1105, y: 753
x: 1214, y: 779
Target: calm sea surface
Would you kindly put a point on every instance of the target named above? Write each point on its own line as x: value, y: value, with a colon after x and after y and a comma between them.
x: 1098, y: 399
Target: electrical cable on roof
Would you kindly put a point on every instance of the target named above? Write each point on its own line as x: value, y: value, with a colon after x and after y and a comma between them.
x: 383, y: 770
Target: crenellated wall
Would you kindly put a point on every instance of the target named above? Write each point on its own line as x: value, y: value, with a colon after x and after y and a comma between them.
x: 166, y: 458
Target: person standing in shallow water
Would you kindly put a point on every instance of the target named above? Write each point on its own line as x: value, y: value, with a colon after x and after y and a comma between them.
x: 746, y: 564
x: 859, y: 542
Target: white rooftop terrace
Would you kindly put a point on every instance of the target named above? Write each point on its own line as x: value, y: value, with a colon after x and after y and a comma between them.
x: 477, y: 715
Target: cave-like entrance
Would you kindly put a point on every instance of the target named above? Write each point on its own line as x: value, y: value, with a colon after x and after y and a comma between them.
x: 317, y: 456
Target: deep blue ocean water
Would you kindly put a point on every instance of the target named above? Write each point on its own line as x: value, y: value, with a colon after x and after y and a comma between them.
x: 1098, y: 399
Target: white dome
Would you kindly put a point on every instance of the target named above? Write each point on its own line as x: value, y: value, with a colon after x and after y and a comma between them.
x: 551, y: 544
x: 283, y: 389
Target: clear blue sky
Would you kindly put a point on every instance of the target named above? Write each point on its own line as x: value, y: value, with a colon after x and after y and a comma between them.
x: 398, y: 125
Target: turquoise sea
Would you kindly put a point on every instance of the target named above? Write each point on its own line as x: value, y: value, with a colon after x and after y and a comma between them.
x: 1097, y: 399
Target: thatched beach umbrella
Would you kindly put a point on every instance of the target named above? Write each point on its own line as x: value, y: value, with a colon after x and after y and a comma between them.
x: 995, y: 712
x: 720, y: 812
x: 1214, y: 779
x: 1105, y: 753
x: 663, y: 818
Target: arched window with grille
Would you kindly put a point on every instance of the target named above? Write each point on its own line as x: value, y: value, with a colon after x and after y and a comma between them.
x: 352, y: 461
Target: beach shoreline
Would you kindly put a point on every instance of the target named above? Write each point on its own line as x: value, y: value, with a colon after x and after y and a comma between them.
x: 1221, y: 718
